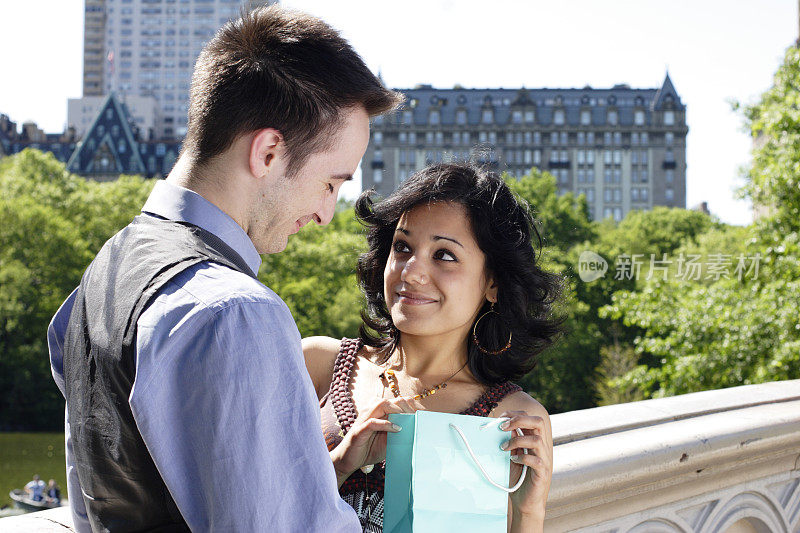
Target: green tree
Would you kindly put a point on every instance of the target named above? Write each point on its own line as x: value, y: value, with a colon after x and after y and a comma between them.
x: 51, y: 225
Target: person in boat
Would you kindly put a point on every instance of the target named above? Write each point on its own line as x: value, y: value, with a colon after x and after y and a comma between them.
x: 457, y: 307
x: 35, y: 489
x: 53, y: 493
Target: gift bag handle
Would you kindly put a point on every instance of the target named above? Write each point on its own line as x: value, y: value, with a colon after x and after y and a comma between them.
x: 483, y: 471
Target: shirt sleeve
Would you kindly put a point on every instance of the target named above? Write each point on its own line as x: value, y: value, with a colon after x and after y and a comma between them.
x: 229, y: 415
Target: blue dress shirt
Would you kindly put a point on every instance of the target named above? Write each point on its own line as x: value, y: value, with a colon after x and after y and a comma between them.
x: 222, y: 397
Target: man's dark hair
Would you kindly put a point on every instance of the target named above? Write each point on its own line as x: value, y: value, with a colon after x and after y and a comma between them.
x: 506, y: 234
x: 281, y: 69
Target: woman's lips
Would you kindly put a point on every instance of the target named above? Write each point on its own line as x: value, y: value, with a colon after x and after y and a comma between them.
x: 413, y: 299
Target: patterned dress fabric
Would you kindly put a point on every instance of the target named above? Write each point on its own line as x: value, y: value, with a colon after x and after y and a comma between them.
x: 364, y: 492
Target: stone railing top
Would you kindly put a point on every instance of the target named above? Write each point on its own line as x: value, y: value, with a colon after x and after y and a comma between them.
x: 598, y: 421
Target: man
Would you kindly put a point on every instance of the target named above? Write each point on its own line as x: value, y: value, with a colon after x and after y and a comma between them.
x: 35, y: 488
x: 183, y: 375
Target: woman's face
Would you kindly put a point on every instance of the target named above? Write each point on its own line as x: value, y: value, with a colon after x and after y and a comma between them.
x: 435, y: 279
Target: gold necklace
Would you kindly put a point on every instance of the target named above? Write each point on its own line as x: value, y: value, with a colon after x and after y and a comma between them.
x: 389, y: 376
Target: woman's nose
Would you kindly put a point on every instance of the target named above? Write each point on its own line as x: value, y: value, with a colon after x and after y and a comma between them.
x: 414, y: 272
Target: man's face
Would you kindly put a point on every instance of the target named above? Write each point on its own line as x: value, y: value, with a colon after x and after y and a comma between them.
x: 288, y: 203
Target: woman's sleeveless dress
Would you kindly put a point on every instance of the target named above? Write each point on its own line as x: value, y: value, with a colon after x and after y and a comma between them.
x: 364, y: 492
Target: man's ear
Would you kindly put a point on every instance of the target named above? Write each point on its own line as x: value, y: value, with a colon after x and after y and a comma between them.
x: 266, y: 151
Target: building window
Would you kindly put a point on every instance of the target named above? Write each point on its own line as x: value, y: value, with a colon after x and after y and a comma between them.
x: 408, y: 117
x: 377, y: 137
x: 607, y: 157
x: 643, y: 157
x: 537, y: 157
x: 590, y: 175
x: 581, y: 157
x: 378, y: 156
x: 669, y: 138
x: 634, y: 194
x: 643, y: 195
x: 465, y: 137
x: 669, y: 118
x: 669, y: 175
x: 669, y: 194
x: 377, y: 175
x: 481, y: 136
x: 586, y: 117
x: 638, y: 117
x: 607, y: 194
x: 617, y: 157
x: 461, y: 117
x: 530, y: 117
x: 439, y: 137
x: 607, y: 138
x: 487, y: 116
x: 564, y: 138
x: 516, y: 117
x: 617, y: 214
x: 612, y: 118
x: 644, y: 137
x: 493, y: 137
x: 537, y: 137
x: 558, y: 117
x: 590, y: 157
x: 634, y: 138
x: 590, y: 137
x: 402, y: 137
x: 634, y: 157
x: 606, y: 212
x: 429, y: 137
x: 669, y: 157
x: 434, y: 118
x: 581, y: 138
x: 590, y: 195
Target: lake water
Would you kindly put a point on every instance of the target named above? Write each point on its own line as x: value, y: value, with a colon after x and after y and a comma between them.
x: 24, y: 454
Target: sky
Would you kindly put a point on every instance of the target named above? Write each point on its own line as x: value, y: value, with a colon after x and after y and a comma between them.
x: 716, y: 52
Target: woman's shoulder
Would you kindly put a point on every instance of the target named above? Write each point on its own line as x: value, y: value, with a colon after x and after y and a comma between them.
x: 320, y: 354
x: 522, y: 401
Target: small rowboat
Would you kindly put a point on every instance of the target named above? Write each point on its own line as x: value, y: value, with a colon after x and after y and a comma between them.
x: 22, y: 501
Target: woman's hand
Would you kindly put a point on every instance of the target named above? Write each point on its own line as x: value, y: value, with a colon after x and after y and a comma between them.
x: 365, y: 443
x: 528, y: 502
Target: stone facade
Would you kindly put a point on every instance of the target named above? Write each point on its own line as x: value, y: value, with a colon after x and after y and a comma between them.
x: 622, y: 148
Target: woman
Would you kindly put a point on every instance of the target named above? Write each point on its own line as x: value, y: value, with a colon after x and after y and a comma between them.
x: 456, y: 308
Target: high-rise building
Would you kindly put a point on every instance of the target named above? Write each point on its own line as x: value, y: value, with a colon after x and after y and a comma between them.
x: 623, y: 148
x: 147, y: 48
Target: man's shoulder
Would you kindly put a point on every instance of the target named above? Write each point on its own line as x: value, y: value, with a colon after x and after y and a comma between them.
x: 209, y: 287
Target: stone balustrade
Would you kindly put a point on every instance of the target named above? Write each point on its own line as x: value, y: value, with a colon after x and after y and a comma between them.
x: 721, y: 461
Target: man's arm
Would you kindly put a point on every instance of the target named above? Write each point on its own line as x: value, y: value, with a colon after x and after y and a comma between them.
x: 224, y: 404
x: 55, y: 343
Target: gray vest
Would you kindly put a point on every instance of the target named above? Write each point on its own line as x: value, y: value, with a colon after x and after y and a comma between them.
x: 123, y: 490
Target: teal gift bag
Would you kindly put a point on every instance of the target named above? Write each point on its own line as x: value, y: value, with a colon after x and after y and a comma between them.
x: 446, y: 472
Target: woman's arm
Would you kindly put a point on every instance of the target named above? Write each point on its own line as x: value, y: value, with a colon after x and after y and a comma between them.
x: 320, y: 356
x: 527, y: 504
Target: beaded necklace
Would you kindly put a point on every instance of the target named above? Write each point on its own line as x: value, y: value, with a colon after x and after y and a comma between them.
x: 389, y: 376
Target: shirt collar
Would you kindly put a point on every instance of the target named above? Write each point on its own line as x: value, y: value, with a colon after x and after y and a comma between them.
x: 177, y: 203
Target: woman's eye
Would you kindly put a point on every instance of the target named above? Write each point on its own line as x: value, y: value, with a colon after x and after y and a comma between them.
x: 400, y: 246
x: 444, y: 255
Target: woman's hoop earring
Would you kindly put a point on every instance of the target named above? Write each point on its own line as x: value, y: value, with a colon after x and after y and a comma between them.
x: 475, y: 335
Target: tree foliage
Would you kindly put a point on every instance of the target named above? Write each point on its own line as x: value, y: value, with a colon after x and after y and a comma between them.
x: 628, y: 337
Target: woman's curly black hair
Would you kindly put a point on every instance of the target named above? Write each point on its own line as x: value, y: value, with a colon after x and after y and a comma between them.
x: 503, y: 228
